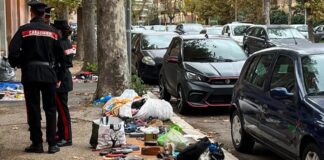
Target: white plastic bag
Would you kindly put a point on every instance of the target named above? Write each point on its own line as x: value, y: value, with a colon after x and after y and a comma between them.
x: 110, y: 130
x: 155, y: 108
x: 125, y: 111
x: 128, y: 93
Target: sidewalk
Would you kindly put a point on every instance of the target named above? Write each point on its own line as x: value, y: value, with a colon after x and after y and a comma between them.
x: 15, y: 136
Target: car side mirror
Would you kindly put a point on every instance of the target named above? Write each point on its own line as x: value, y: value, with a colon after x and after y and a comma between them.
x: 280, y: 93
x: 264, y: 38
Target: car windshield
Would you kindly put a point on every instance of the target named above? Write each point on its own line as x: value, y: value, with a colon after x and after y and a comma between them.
x: 302, y: 28
x: 156, y: 41
x: 192, y: 28
x: 212, y: 50
x: 240, y: 30
x: 313, y: 72
x: 171, y: 28
x: 284, y: 33
x: 214, y: 31
x: 159, y: 28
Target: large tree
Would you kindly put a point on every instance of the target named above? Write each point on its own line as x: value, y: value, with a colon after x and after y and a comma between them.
x: 191, y: 6
x: 80, y: 40
x: 114, y: 74
x: 89, y: 31
x: 63, y: 8
x: 315, y: 12
x: 171, y: 8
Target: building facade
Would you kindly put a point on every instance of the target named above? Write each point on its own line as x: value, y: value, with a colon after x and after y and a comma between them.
x: 13, y: 13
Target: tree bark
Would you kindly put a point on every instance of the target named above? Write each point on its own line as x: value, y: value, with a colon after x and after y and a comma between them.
x: 80, y: 41
x: 63, y: 13
x: 310, y: 24
x: 114, y: 76
x: 89, y: 32
x: 289, y: 11
x: 266, y: 11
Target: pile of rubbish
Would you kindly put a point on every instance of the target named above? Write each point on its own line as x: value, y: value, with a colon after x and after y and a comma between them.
x: 85, y: 77
x: 11, y: 91
x: 6, y: 72
x: 130, y: 117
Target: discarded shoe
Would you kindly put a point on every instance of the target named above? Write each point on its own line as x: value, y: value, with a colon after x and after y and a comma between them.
x: 34, y: 148
x: 53, y: 149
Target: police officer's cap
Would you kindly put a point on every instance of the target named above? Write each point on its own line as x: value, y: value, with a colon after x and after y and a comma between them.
x: 48, y: 11
x: 61, y: 24
x: 36, y: 5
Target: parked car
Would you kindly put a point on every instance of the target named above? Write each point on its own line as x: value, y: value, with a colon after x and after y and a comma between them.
x: 259, y: 37
x: 319, y: 34
x: 171, y: 28
x: 236, y: 31
x: 212, y: 31
x: 200, y: 71
x: 302, y: 28
x: 159, y: 28
x: 189, y: 28
x: 278, y: 102
x: 148, y: 49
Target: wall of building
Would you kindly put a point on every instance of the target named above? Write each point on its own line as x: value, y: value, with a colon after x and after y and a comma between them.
x: 13, y: 13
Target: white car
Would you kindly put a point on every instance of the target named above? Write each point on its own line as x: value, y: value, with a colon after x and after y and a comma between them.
x: 236, y: 30
x: 303, y: 29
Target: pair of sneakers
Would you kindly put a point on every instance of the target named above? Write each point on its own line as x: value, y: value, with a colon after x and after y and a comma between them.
x: 38, y: 148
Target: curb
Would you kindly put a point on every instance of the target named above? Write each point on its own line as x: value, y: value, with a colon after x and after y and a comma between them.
x: 189, y: 130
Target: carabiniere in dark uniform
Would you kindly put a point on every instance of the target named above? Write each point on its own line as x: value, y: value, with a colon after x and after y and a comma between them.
x: 36, y: 50
x: 64, y: 132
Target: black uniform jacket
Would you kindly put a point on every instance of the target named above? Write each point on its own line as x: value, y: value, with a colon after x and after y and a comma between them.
x: 35, y: 48
x: 67, y: 83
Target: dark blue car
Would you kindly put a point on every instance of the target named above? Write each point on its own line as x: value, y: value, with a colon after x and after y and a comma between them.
x: 278, y: 101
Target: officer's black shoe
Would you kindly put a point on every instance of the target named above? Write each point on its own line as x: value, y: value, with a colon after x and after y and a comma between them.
x: 53, y: 149
x: 35, y: 148
x: 63, y: 143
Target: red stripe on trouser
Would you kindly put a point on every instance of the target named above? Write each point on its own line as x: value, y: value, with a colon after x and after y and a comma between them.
x: 65, y: 123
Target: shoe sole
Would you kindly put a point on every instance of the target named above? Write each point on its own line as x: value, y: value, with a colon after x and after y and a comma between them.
x: 64, y: 145
x: 34, y: 151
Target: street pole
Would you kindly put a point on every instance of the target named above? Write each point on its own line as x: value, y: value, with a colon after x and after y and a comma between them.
x: 305, y: 17
x: 128, y: 35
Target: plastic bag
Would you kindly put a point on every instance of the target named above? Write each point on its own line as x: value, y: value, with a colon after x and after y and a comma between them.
x: 128, y: 93
x: 175, y: 137
x: 111, y: 132
x: 125, y: 111
x: 6, y: 72
x: 155, y: 108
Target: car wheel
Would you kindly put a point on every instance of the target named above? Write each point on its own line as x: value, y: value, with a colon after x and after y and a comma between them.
x: 247, y: 50
x: 242, y: 141
x: 181, y: 102
x: 164, y: 94
x: 312, y: 152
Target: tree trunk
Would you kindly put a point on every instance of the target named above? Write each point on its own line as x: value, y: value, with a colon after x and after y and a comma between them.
x: 289, y: 11
x: 63, y: 13
x: 89, y: 31
x: 114, y: 76
x: 80, y: 41
x: 266, y: 11
x: 310, y: 26
x: 206, y: 21
x: 192, y: 17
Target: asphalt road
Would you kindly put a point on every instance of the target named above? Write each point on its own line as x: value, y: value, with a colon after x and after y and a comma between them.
x: 215, y: 123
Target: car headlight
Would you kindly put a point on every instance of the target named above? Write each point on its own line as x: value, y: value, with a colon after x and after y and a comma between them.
x: 148, y: 60
x: 193, y: 76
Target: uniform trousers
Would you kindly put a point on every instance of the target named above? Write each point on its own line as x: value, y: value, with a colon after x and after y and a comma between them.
x: 32, y: 92
x: 64, y: 119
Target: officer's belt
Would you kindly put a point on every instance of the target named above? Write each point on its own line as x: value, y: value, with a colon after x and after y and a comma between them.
x: 39, y: 63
